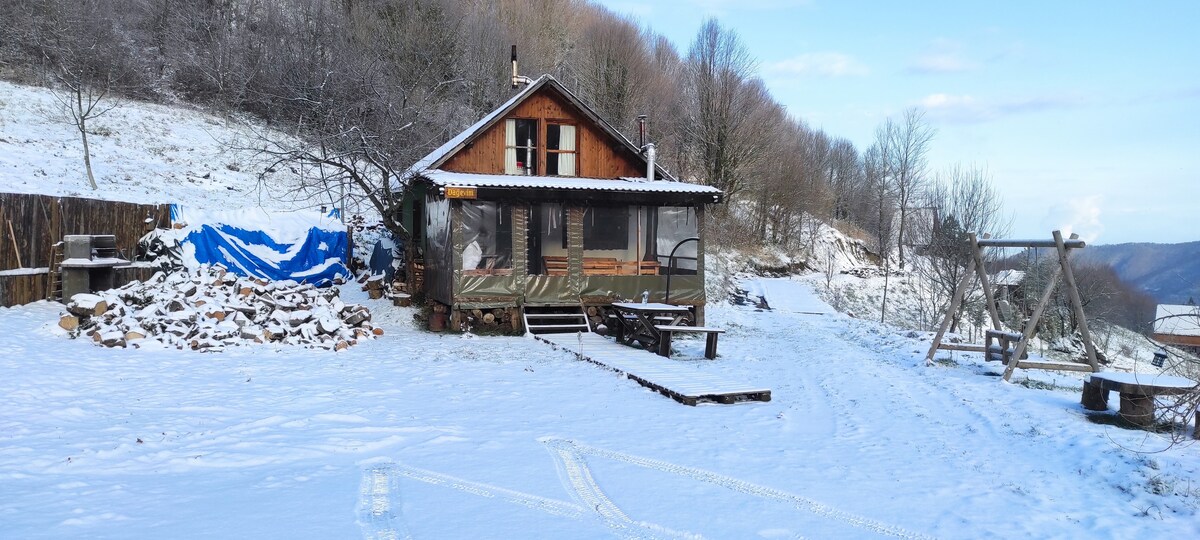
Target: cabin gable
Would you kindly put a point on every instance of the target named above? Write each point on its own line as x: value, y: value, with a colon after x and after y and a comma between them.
x: 598, y: 155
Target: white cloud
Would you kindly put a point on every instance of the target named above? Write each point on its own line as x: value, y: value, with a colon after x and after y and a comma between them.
x: 820, y: 64
x: 1078, y: 215
x: 967, y: 109
x: 941, y: 62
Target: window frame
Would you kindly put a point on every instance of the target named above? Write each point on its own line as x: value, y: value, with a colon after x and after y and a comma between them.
x: 558, y: 151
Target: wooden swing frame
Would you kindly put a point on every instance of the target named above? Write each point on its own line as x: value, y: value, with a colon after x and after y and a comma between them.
x: 1012, y: 357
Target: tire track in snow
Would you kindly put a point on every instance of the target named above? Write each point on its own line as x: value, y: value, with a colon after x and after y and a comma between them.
x: 378, y: 505
x: 552, y: 506
x: 735, y: 484
x: 580, y: 481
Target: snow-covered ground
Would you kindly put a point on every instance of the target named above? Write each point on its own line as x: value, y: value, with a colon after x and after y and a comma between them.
x: 143, y: 153
x: 457, y: 436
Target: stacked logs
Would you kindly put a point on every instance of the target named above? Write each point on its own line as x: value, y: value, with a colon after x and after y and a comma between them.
x: 211, y: 309
x: 495, y: 320
x: 376, y: 288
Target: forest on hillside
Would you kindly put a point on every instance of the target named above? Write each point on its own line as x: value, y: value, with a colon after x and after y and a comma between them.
x: 369, y: 86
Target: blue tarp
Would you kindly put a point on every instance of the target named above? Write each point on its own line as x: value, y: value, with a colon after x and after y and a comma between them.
x: 305, y: 247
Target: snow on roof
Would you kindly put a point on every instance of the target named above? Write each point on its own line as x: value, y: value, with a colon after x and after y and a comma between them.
x: 1008, y: 277
x: 638, y: 185
x: 1177, y: 320
x: 442, y: 151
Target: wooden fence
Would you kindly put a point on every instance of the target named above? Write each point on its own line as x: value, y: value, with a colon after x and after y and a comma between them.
x: 31, y: 224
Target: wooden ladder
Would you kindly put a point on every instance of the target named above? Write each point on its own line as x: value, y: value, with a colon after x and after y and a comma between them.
x: 54, y: 277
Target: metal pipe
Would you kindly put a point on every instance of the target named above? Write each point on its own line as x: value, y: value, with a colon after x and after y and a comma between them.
x: 671, y: 264
x: 641, y: 120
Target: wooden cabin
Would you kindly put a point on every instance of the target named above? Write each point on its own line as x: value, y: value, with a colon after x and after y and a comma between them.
x: 543, y: 204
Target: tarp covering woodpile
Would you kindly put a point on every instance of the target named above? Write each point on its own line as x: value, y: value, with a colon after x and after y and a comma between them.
x: 303, y: 246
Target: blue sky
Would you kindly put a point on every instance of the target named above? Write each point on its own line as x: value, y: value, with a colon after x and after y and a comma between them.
x: 1086, y: 114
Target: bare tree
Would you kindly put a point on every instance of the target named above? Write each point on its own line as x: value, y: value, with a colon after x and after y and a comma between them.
x: 905, y: 145
x: 725, y: 107
x: 83, y: 52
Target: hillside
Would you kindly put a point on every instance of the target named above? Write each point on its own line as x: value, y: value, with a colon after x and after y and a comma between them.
x: 1168, y: 272
x: 143, y: 153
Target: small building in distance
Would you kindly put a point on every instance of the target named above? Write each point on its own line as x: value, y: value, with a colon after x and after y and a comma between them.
x: 1177, y: 325
x: 543, y: 204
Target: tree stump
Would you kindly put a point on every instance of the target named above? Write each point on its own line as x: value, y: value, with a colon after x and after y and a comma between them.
x: 1094, y: 397
x: 1138, y: 409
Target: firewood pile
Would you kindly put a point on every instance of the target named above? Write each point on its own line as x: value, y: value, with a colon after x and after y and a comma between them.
x: 211, y: 309
x: 376, y: 288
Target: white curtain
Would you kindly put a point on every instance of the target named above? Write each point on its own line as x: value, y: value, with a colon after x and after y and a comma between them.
x: 566, y: 141
x: 510, y: 150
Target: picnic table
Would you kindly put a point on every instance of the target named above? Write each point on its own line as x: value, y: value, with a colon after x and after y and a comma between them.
x: 1137, y: 393
x: 636, y: 321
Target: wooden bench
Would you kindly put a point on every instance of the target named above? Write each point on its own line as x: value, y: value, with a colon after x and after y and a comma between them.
x: 601, y: 266
x: 666, y: 331
x: 1137, y: 393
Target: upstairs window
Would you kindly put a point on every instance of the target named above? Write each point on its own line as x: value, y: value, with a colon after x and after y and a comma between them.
x: 520, y: 146
x: 560, y: 150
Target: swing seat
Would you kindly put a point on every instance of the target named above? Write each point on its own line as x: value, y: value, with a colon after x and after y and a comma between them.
x: 1001, y: 346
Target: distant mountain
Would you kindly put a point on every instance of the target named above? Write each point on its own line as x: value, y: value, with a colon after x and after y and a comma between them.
x: 1168, y: 272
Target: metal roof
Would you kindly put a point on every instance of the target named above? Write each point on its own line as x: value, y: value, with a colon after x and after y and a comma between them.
x: 633, y: 185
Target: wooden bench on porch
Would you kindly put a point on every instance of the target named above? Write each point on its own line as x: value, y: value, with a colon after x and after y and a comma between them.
x: 601, y: 266
x: 666, y: 331
x: 1137, y: 390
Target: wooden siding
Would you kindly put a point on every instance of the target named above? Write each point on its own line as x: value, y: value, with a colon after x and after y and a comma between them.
x: 39, y: 221
x: 599, y: 156
x: 26, y: 288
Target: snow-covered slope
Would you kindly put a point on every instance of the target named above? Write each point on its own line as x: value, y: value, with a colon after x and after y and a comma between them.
x: 445, y: 436
x: 141, y: 152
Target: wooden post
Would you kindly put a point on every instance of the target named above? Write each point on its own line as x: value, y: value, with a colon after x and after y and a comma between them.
x: 959, y: 291
x: 984, y: 281
x: 710, y: 346
x: 16, y: 249
x: 1076, y: 303
x: 1031, y: 326
x: 664, y: 343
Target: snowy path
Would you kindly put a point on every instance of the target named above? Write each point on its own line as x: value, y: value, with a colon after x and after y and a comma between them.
x: 426, y: 436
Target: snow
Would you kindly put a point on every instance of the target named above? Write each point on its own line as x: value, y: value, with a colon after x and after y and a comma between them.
x: 460, y: 436
x: 1177, y: 320
x: 141, y: 153
x: 25, y: 271
x: 447, y: 178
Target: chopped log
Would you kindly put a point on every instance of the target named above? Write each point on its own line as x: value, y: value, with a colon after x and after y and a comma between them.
x: 87, y: 307
x: 68, y: 322
x: 341, y: 345
x: 216, y: 314
x: 375, y: 294
x: 377, y: 331
x: 134, y: 335
x: 489, y: 319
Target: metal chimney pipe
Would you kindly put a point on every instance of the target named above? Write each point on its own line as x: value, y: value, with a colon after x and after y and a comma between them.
x: 514, y: 67
x: 517, y: 80
x: 641, y: 120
